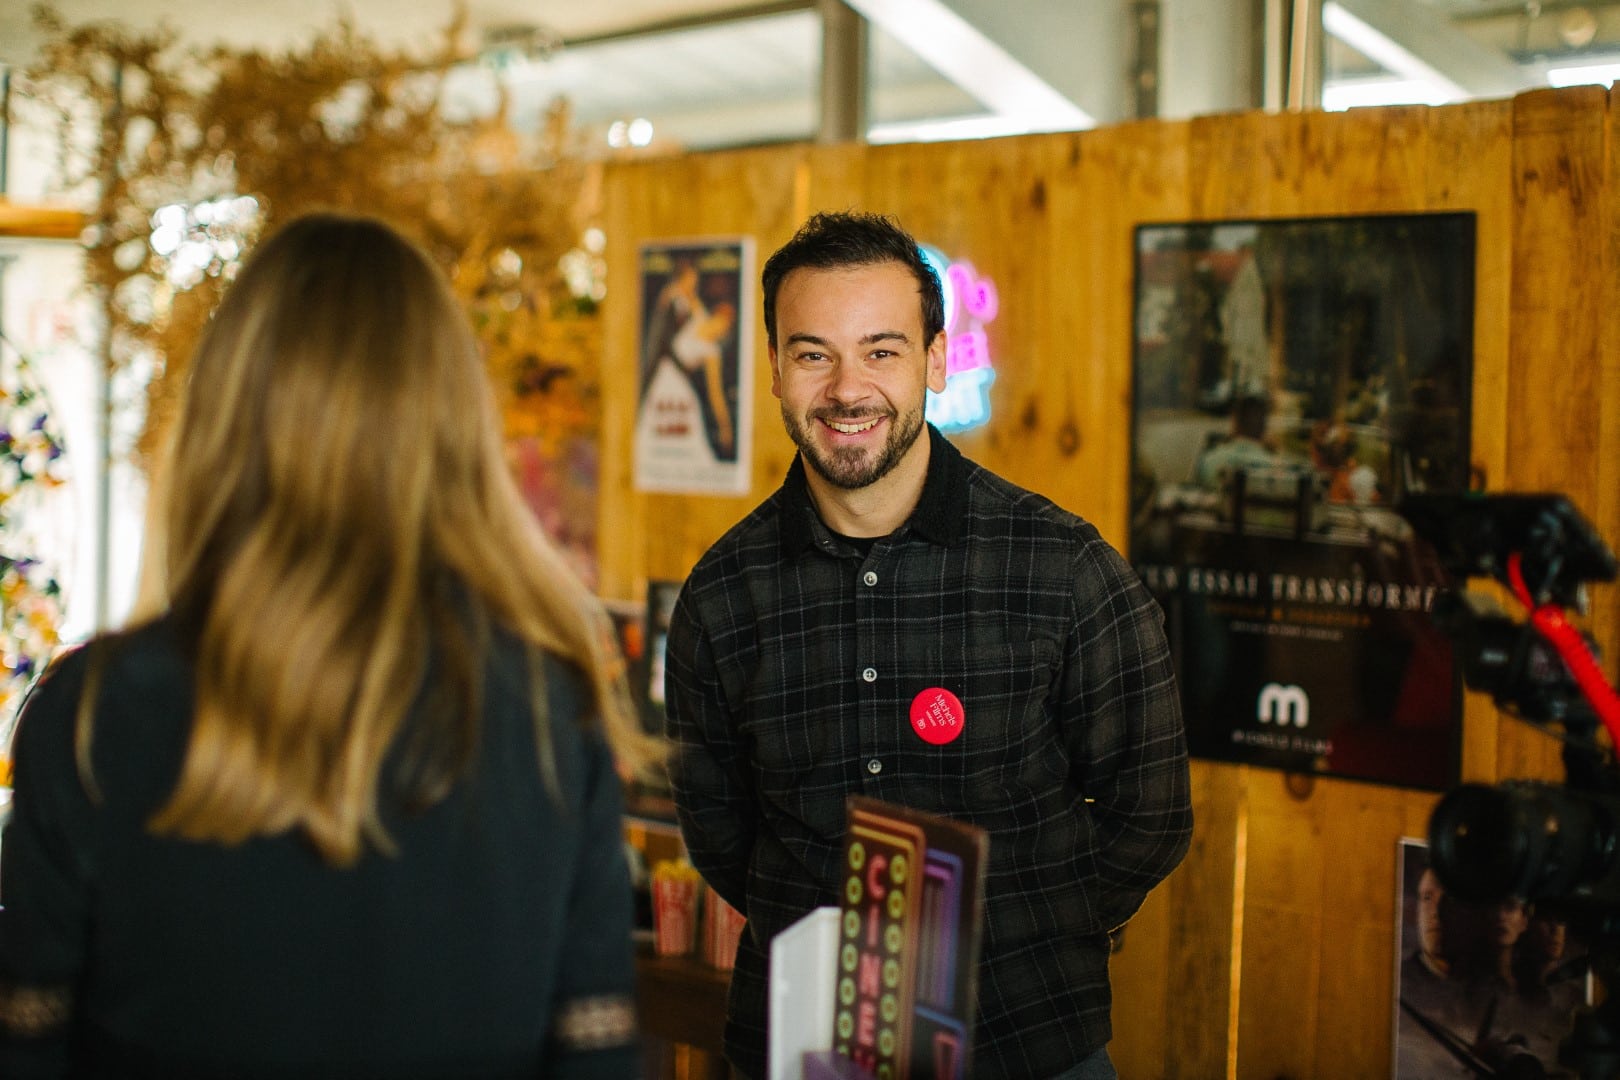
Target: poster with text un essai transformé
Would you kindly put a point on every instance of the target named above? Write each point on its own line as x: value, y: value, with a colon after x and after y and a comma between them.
x: 1293, y: 381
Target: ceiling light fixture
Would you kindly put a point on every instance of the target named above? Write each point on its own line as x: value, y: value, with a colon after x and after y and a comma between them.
x: 517, y: 44
x: 1363, y: 93
x: 1602, y: 74
x: 946, y: 130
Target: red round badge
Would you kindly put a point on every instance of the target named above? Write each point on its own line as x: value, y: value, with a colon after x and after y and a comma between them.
x: 936, y: 715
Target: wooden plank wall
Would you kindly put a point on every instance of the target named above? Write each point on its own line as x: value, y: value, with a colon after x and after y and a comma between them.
x: 1268, y: 954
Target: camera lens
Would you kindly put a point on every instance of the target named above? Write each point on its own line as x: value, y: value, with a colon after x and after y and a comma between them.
x: 1476, y: 844
x: 1524, y: 838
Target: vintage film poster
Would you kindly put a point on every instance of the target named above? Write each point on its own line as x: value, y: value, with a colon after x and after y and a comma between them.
x: 641, y: 631
x: 1480, y: 989
x: 631, y: 632
x: 661, y: 597
x: 695, y: 410
x: 1293, y: 381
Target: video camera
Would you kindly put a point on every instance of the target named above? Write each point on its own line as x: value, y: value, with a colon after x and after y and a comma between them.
x: 1554, y: 844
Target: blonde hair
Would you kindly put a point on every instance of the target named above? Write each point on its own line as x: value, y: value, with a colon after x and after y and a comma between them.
x: 336, y: 506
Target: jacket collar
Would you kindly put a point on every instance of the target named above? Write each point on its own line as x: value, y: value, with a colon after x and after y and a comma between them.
x: 937, y: 517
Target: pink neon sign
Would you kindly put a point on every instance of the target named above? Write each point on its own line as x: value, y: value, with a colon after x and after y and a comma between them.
x: 970, y: 303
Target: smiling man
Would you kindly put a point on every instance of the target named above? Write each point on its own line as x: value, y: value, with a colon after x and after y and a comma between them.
x: 886, y: 569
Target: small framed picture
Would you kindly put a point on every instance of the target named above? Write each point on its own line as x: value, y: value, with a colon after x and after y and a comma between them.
x: 1480, y: 989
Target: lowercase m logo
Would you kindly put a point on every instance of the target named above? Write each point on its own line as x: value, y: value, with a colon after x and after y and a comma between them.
x: 1282, y: 705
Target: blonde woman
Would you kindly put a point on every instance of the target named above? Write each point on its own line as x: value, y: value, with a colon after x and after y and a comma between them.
x: 346, y: 807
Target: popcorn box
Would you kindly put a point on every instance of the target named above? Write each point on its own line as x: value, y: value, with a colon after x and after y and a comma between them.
x: 675, y: 890
x: 722, y: 929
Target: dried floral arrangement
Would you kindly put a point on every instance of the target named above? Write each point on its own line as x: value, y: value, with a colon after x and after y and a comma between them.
x: 342, y: 123
x: 31, y: 461
x: 184, y: 157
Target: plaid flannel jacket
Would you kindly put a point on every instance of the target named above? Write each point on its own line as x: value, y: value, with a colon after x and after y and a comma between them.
x: 792, y: 662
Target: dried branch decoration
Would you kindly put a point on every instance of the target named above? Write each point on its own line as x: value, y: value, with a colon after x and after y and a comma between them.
x: 188, y: 156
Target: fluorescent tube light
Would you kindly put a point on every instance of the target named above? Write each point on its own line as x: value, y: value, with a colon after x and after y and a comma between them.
x: 1602, y: 74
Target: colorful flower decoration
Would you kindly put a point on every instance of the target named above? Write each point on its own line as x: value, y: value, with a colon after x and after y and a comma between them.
x: 31, y: 460
x: 30, y: 613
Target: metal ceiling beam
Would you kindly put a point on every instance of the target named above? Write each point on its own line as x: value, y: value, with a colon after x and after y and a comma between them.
x: 1023, y: 69
x: 700, y: 21
x: 1210, y: 56
x: 1417, y: 42
x: 843, y: 74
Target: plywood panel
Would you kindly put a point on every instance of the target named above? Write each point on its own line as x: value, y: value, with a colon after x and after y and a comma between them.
x: 1243, y: 166
x: 1205, y: 895
x: 1136, y: 971
x: 1071, y: 441
x: 1268, y: 952
x: 1558, y: 286
x: 1006, y: 236
x: 1281, y: 961
x: 1606, y: 509
x: 1354, y: 1036
x: 1558, y: 247
x: 660, y: 536
x: 1138, y: 175
x: 628, y: 217
x: 1358, y: 942
x: 1279, y: 1012
x: 1362, y: 162
x: 1470, y: 168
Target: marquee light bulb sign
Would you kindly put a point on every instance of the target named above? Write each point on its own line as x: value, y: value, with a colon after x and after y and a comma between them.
x: 970, y: 305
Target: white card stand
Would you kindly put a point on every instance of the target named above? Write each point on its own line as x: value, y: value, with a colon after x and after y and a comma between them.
x: 804, y: 973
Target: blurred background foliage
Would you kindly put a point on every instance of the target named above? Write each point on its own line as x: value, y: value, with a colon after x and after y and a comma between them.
x: 184, y: 158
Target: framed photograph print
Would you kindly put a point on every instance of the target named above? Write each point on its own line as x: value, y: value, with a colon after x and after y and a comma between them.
x: 1480, y: 989
x: 1293, y: 381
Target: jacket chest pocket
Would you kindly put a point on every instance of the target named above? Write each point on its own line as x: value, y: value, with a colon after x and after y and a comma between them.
x: 1006, y: 733
x: 793, y: 745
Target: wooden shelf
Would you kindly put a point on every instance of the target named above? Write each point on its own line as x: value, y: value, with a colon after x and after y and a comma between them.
x: 40, y: 222
x: 682, y: 999
x: 682, y: 1002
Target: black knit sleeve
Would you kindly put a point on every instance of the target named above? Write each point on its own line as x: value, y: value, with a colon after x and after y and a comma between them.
x: 47, y: 856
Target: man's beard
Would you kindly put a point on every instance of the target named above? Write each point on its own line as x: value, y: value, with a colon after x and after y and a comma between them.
x: 853, y: 467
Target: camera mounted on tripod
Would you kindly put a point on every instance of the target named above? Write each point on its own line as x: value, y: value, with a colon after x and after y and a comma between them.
x: 1554, y: 844
x: 1542, y: 549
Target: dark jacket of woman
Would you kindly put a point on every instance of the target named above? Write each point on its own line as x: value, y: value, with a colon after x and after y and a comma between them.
x: 495, y: 942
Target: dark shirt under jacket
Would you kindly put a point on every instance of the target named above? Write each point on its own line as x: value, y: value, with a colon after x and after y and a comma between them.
x: 792, y: 665
x: 496, y: 943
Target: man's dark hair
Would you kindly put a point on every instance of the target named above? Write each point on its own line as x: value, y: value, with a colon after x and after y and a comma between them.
x: 834, y: 240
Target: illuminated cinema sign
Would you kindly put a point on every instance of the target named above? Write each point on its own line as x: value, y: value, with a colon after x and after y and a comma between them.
x: 970, y: 304
x: 910, y: 923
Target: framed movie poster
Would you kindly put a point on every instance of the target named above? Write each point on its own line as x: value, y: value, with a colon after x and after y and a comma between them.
x: 1293, y: 381
x: 1480, y: 989
x: 630, y: 629
x: 694, y: 416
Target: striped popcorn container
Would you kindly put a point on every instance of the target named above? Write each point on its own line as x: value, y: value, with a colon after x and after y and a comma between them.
x: 675, y: 886
x: 722, y: 927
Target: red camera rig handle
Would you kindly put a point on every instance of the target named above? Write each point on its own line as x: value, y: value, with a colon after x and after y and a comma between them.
x: 1564, y: 636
